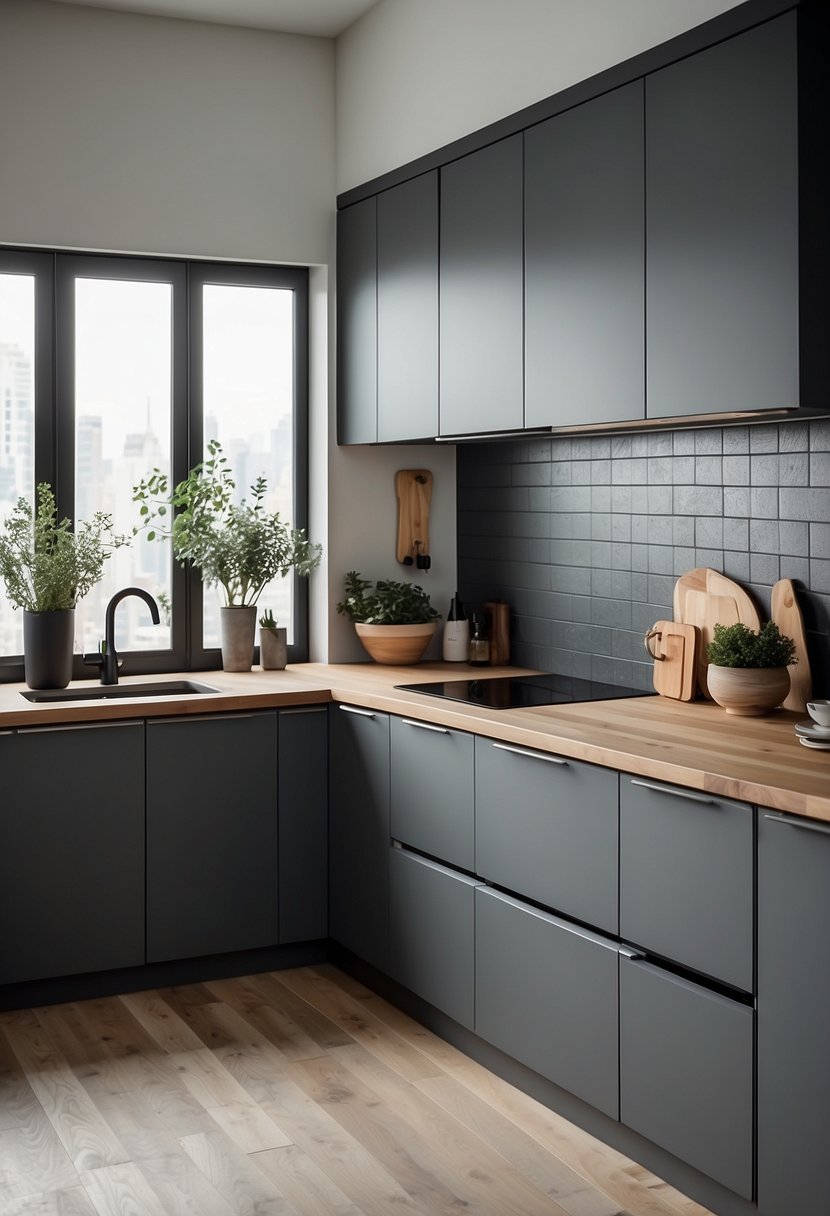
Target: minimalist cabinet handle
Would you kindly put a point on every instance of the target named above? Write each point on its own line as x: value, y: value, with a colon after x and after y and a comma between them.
x: 521, y: 751
x: 42, y: 730
x: 628, y: 953
x: 439, y: 730
x: 6, y: 732
x: 822, y: 829
x: 304, y: 709
x: 351, y: 709
x: 201, y: 718
x: 668, y: 789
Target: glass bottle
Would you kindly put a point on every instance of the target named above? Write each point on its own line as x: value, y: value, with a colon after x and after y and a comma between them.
x: 479, y: 644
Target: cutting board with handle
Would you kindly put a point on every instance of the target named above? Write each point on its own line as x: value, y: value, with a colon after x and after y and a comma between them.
x: 706, y: 598
x: 786, y: 614
x: 674, y: 648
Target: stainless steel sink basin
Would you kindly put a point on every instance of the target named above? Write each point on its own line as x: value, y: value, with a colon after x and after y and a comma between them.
x: 121, y: 692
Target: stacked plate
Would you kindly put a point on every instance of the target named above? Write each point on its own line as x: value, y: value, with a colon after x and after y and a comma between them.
x: 812, y: 735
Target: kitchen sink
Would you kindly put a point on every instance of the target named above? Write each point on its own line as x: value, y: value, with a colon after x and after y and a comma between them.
x: 107, y: 692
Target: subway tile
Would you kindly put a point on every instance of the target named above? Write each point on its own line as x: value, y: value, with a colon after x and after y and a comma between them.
x: 660, y: 589
x: 620, y: 555
x: 615, y: 614
x: 684, y: 559
x: 660, y: 559
x: 600, y: 498
x: 639, y: 587
x: 793, y: 469
x: 660, y: 470
x: 600, y: 472
x: 735, y: 440
x: 581, y: 472
x: 639, y: 529
x: 736, y: 565
x: 763, y: 536
x: 644, y: 614
x: 735, y: 533
x: 683, y: 530
x: 793, y: 437
x: 570, y: 498
x: 581, y: 448
x: 599, y: 552
x: 736, y: 500
x: 764, y: 438
x: 581, y: 525
x: 819, y: 540
x: 581, y: 608
x: 560, y: 473
x: 820, y: 469
x: 698, y: 500
x: 794, y: 538
x: 709, y: 557
x: 531, y: 474
x: 602, y: 669
x: 539, y: 450
x: 764, y: 568
x: 599, y: 526
x: 808, y: 504
x: 796, y: 568
x: 621, y: 446
x: 683, y: 470
x: 537, y: 550
x: 708, y: 470
x: 708, y: 441
x: 601, y: 582
x: 561, y: 447
x: 709, y: 532
x: 639, y: 557
x: 621, y: 527
x: 658, y: 443
x: 816, y: 609
x: 531, y: 524
x: 736, y: 470
x: 639, y: 497
x: 538, y: 498
x: 621, y: 584
x: 561, y: 524
x: 820, y: 575
x: 820, y: 436
x: 659, y: 529
x: 575, y: 580
x: 684, y: 443
x: 659, y: 500
x: 763, y: 502
x: 763, y: 470
x: 621, y: 498
x: 625, y: 644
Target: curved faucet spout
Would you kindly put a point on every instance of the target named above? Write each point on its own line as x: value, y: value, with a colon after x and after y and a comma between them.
x: 109, y: 655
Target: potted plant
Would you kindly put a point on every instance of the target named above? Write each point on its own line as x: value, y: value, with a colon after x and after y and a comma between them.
x: 47, y: 567
x: 394, y: 621
x: 747, y: 671
x: 273, y: 651
x: 238, y: 547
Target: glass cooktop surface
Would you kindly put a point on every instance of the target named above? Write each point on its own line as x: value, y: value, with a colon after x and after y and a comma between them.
x: 523, y: 692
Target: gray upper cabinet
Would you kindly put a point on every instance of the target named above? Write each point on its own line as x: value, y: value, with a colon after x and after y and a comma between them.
x: 359, y: 836
x: 432, y: 791
x: 793, y: 1000
x: 407, y: 310
x: 357, y: 312
x: 303, y: 824
x: 481, y: 292
x: 584, y: 271
x: 71, y: 850
x: 722, y: 227
x: 211, y: 835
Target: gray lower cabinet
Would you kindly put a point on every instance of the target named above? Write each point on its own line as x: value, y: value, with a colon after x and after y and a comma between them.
x: 211, y: 835
x: 359, y: 835
x: 686, y: 1067
x: 547, y: 994
x: 432, y: 933
x: 303, y: 824
x: 482, y: 291
x: 546, y: 828
x: 793, y: 1004
x: 584, y: 256
x: 432, y: 790
x: 357, y: 316
x: 687, y: 878
x: 71, y: 850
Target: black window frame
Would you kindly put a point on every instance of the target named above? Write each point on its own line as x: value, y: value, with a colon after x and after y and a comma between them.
x: 55, y: 272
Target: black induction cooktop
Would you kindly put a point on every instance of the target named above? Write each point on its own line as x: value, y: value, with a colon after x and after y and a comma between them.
x: 523, y: 692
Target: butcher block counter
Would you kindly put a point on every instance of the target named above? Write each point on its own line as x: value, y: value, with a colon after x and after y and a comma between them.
x: 695, y: 744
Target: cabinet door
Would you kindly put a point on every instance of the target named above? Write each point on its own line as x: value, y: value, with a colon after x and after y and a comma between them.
x: 547, y: 828
x: 359, y: 832
x: 793, y: 1003
x: 481, y: 358
x: 686, y: 1072
x: 686, y: 878
x: 584, y: 263
x: 722, y: 227
x: 432, y: 933
x: 357, y: 315
x: 303, y: 824
x: 211, y: 835
x: 432, y: 791
x: 547, y: 994
x: 71, y: 850
x: 408, y: 310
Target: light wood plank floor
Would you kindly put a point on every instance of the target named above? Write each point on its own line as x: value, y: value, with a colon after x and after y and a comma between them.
x: 293, y: 1092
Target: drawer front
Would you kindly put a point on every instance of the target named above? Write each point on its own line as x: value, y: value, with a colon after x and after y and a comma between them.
x: 547, y: 994
x: 686, y: 1072
x: 432, y: 932
x: 432, y: 790
x: 546, y: 828
x: 686, y: 878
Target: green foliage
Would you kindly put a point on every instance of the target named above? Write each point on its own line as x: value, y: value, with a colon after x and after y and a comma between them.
x: 739, y: 646
x: 386, y: 602
x: 267, y: 620
x: 45, y: 565
x: 239, y: 547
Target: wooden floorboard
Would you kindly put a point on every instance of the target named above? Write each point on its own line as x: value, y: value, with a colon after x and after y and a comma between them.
x: 297, y: 1093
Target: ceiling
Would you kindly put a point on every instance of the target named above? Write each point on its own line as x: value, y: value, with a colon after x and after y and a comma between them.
x: 324, y: 18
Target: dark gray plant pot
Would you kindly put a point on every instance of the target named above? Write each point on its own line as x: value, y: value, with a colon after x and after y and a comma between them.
x: 273, y: 651
x: 48, y: 643
x: 238, y: 627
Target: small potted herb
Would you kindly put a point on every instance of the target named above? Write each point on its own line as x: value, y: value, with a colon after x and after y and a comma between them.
x: 273, y: 650
x: 747, y: 671
x: 394, y: 621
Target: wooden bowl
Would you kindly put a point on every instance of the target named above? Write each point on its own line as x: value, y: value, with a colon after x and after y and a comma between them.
x: 748, y: 692
x: 396, y: 645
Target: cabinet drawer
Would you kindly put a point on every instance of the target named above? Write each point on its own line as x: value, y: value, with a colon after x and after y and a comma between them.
x: 547, y: 994
x: 546, y: 828
x: 432, y: 790
x: 432, y: 932
x: 686, y: 1072
x: 686, y: 878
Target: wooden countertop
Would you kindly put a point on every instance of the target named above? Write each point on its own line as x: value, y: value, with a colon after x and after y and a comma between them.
x: 696, y: 745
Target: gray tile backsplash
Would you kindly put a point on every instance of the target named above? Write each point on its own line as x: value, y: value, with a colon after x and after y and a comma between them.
x: 584, y: 537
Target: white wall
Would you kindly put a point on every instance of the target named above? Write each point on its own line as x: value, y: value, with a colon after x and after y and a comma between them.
x: 413, y: 75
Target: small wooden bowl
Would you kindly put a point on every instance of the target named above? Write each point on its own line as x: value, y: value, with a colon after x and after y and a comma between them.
x: 748, y: 692
x: 396, y: 645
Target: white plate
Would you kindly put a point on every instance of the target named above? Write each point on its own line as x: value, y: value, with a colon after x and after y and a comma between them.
x: 812, y: 730
x: 823, y: 747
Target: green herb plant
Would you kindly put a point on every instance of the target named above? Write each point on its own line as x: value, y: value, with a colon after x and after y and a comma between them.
x: 739, y: 646
x: 47, y: 567
x: 385, y: 602
x: 238, y: 546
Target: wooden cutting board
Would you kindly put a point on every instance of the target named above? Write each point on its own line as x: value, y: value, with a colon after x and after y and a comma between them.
x: 674, y: 647
x: 414, y: 490
x: 786, y: 613
x: 706, y: 598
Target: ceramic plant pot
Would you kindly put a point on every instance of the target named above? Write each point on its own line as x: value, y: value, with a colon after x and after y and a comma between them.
x: 273, y: 649
x: 238, y: 630
x: 396, y: 645
x: 748, y: 692
x: 48, y: 643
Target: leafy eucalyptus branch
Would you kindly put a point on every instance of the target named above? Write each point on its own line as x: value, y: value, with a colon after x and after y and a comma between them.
x: 240, y: 547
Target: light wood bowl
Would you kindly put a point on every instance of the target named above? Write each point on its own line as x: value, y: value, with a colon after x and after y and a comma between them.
x: 748, y: 692
x: 396, y: 644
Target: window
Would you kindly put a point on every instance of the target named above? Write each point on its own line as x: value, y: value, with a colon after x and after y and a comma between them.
x: 152, y: 359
